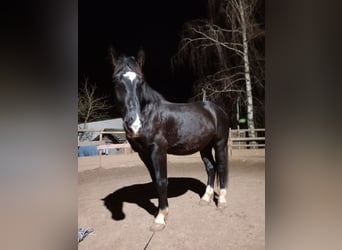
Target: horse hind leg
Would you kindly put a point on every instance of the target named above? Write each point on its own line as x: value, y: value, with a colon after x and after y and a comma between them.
x: 221, y: 156
x: 210, y: 167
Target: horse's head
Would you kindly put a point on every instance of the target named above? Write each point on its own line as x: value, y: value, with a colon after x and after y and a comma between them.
x: 128, y: 81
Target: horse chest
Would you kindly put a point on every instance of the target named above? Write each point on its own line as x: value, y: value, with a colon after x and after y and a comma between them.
x: 140, y: 144
x: 137, y: 145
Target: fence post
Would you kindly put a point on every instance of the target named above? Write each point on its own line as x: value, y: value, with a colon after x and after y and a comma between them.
x: 101, y: 135
x: 230, y: 142
x: 100, y: 156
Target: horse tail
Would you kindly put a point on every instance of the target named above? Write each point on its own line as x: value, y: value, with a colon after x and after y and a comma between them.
x: 217, y: 178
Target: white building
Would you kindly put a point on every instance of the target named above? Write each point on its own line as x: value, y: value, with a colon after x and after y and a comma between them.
x: 112, y: 124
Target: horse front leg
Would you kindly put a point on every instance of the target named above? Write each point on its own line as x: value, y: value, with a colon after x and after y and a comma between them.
x: 158, y: 157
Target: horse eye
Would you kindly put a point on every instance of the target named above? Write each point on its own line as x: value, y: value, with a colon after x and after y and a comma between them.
x: 118, y: 86
x: 140, y: 80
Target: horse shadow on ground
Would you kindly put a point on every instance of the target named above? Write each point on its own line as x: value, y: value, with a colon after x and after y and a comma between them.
x: 141, y: 194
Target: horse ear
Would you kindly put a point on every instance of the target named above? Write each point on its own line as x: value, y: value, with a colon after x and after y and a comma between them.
x: 112, y: 53
x: 141, y: 57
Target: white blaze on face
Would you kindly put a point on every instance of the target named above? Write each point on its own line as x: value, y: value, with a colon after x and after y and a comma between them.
x: 136, y: 125
x: 130, y: 75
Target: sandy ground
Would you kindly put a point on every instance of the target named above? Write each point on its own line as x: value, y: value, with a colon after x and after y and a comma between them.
x: 116, y: 198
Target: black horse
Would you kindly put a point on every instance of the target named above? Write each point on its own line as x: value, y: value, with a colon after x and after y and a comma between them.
x: 155, y: 127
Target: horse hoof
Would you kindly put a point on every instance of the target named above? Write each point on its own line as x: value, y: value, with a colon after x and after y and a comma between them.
x: 157, y: 227
x: 221, y: 205
x: 204, y: 202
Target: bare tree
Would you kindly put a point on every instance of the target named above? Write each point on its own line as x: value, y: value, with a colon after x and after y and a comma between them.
x: 242, y: 13
x: 91, y: 107
x: 217, y: 50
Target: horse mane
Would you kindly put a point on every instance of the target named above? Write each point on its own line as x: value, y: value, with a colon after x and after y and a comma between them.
x: 149, y: 95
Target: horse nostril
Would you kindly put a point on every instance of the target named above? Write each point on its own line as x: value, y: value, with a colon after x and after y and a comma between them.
x: 133, y: 122
x: 129, y: 121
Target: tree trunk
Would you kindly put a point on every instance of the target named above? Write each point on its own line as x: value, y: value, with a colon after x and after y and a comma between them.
x: 250, y: 111
x: 204, y: 98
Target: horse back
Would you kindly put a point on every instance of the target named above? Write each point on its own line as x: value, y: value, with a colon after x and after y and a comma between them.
x: 192, y: 126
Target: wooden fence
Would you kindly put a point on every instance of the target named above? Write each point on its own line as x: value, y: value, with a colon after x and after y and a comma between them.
x: 238, y: 138
x: 101, y: 144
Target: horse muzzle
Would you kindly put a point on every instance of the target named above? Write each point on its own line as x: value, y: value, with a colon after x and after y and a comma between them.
x: 133, y: 125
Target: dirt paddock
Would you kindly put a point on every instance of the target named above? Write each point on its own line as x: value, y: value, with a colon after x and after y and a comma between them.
x: 116, y: 199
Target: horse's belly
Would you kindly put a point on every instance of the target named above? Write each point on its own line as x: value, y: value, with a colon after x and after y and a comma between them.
x: 189, y: 146
x: 180, y: 150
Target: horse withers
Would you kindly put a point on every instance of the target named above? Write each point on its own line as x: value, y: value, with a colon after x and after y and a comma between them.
x: 155, y: 127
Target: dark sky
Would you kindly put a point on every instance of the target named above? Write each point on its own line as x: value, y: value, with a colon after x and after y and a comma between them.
x: 127, y: 25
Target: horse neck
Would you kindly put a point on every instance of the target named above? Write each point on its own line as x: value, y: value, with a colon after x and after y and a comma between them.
x: 150, y: 96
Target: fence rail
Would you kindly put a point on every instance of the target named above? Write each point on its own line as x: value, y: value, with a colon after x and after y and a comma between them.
x: 238, y: 139
x: 100, y: 144
x: 101, y: 133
